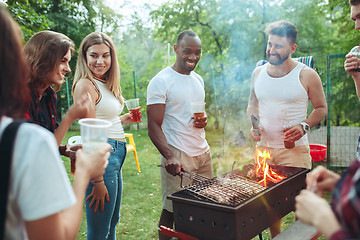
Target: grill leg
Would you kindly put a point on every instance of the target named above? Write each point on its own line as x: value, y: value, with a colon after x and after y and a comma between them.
x: 260, y: 236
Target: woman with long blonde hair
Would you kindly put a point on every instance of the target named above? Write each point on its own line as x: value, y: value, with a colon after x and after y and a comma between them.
x: 97, y: 74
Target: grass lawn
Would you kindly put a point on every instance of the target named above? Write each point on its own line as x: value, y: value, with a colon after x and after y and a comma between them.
x: 141, y: 204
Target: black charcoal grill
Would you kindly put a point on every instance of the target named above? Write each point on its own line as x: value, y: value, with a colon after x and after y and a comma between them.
x: 232, y: 206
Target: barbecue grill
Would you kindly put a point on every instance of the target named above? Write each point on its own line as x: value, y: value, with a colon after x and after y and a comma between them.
x: 234, y: 206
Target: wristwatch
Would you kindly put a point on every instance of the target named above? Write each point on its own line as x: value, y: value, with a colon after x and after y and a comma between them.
x: 305, y: 127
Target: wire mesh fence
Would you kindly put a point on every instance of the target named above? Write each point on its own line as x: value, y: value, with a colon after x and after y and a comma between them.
x: 339, y: 130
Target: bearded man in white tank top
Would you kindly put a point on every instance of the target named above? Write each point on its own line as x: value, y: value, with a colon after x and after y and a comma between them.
x: 279, y: 96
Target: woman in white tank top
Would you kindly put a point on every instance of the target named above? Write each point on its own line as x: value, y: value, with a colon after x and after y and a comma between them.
x: 97, y: 74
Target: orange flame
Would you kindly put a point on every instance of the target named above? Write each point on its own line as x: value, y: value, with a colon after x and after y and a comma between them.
x: 263, y: 169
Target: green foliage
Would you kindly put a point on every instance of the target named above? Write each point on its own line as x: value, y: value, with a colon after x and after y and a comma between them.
x: 140, y: 57
x: 30, y: 16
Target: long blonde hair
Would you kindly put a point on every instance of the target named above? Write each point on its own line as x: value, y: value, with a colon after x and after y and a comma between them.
x: 112, y: 76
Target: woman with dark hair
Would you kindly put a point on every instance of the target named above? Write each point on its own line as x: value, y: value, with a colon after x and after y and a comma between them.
x: 48, y: 55
x: 40, y: 203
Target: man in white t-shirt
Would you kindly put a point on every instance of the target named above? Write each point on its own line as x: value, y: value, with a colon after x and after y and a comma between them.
x: 178, y: 136
x: 280, y: 92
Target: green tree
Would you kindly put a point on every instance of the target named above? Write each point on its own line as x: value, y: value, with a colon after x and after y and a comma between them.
x: 30, y: 16
x: 141, y: 57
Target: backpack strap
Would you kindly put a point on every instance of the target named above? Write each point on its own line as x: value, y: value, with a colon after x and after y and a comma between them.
x: 7, y: 143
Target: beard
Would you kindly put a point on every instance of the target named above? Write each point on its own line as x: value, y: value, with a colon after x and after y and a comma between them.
x: 277, y: 61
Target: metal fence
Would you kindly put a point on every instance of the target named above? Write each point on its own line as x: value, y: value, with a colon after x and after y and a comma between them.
x: 339, y: 131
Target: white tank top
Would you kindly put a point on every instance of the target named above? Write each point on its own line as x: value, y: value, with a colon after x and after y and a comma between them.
x: 282, y: 101
x: 108, y: 107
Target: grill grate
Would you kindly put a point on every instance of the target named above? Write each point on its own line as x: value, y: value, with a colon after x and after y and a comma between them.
x: 230, y: 189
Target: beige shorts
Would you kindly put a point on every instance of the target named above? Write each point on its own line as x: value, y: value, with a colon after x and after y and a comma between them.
x: 170, y: 184
x: 299, y: 156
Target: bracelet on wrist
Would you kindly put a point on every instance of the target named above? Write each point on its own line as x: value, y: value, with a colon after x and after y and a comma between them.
x: 94, y: 182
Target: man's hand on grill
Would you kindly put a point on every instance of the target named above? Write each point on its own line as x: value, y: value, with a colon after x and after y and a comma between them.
x: 173, y: 166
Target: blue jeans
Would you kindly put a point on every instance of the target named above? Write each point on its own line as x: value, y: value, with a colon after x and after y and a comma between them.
x: 102, y: 225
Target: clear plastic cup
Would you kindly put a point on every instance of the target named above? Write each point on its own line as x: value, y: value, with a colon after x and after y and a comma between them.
x: 94, y: 133
x: 355, y: 52
x: 134, y: 108
x: 198, y: 109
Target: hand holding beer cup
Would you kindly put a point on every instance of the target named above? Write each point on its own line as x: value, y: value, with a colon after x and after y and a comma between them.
x: 352, y: 62
x: 133, y: 106
x: 74, y: 144
x: 198, y: 110
x: 94, y: 133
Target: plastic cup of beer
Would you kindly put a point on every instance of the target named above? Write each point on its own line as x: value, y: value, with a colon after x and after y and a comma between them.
x: 134, y: 108
x: 74, y: 144
x: 355, y: 52
x: 198, y: 109
x: 288, y: 144
x: 94, y: 133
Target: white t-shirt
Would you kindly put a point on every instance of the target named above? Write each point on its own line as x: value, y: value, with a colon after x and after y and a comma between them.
x: 177, y: 91
x: 283, y: 102
x: 39, y: 185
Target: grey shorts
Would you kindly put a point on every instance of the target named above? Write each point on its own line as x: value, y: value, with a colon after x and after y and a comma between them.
x: 170, y: 184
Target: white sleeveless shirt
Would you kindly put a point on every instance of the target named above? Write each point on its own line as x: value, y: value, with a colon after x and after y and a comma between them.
x: 108, y: 107
x: 282, y: 102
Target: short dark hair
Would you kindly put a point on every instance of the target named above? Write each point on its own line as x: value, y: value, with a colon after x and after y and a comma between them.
x: 283, y: 29
x: 186, y: 33
x: 14, y: 92
x: 354, y: 2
